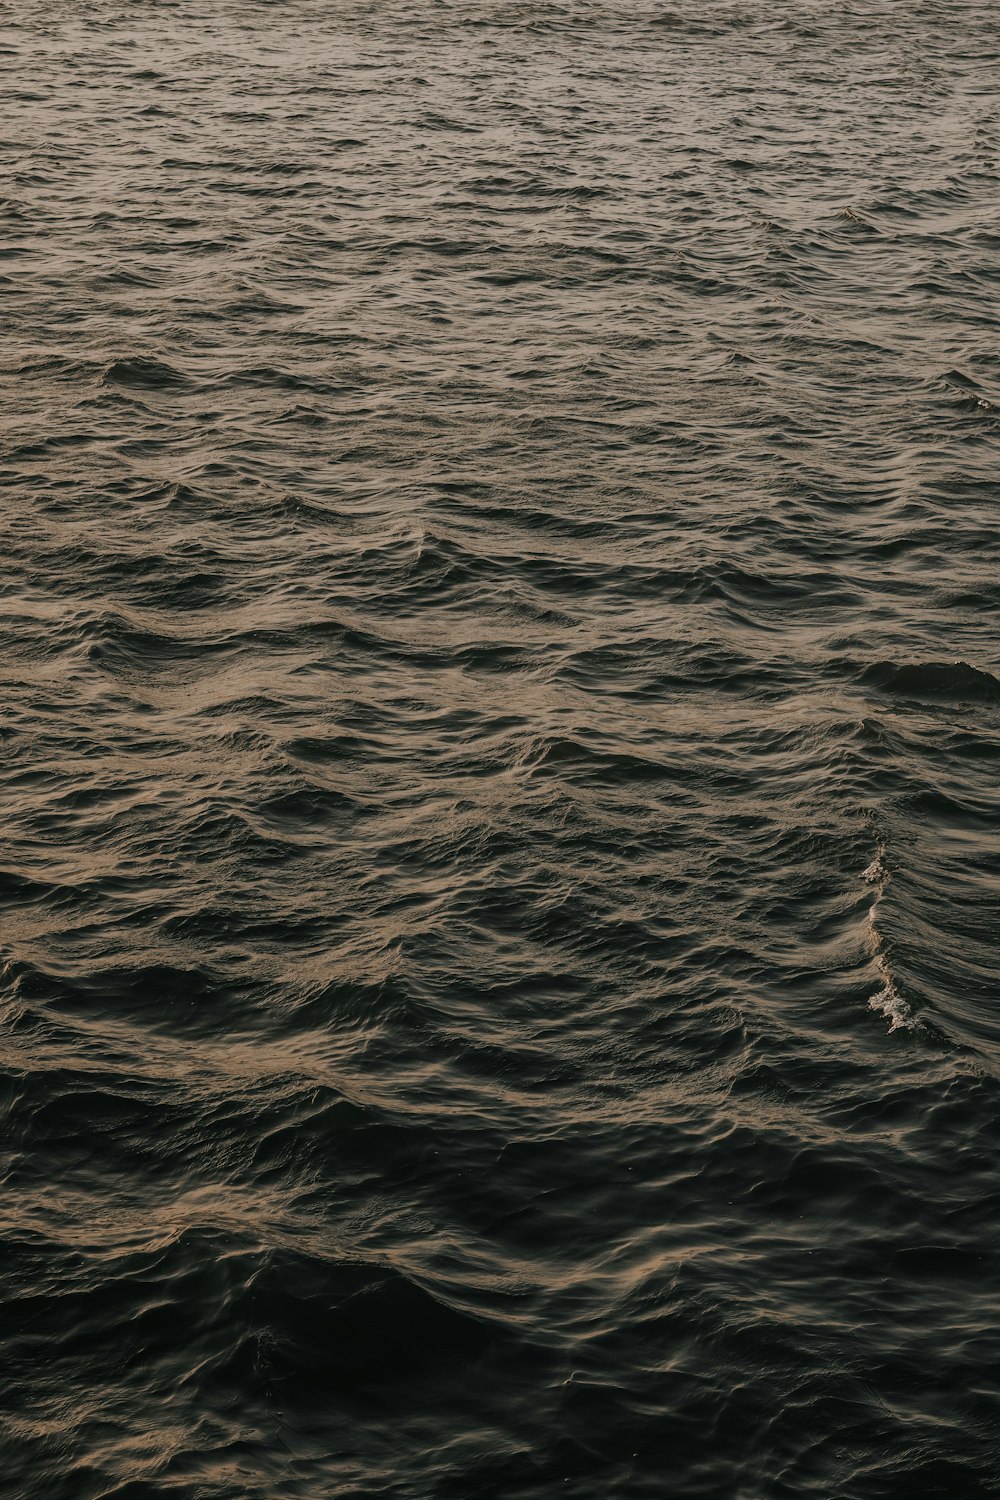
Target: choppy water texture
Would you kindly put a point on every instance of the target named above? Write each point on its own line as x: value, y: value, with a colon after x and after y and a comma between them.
x: 501, y: 731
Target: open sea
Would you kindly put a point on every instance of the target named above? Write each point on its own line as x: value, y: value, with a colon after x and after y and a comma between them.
x: 500, y: 750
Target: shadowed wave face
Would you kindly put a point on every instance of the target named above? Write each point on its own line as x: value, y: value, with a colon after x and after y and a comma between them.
x: 500, y: 750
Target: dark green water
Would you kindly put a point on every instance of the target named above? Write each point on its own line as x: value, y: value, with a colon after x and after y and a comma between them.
x: 499, y: 751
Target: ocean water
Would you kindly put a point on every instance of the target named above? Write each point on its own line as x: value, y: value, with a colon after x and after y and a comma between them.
x: 500, y: 743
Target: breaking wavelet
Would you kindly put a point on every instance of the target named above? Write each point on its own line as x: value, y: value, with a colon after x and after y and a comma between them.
x: 888, y: 1000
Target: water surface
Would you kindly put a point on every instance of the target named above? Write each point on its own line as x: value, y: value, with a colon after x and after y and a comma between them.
x: 500, y: 747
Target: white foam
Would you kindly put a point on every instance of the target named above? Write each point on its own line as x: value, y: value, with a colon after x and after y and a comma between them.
x: 888, y: 1002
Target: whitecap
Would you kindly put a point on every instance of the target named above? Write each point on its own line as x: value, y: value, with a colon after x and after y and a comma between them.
x: 888, y: 1001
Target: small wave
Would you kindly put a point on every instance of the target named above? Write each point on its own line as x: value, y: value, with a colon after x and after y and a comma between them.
x: 887, y: 1001
x: 957, y: 681
x: 971, y: 392
x: 143, y: 374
